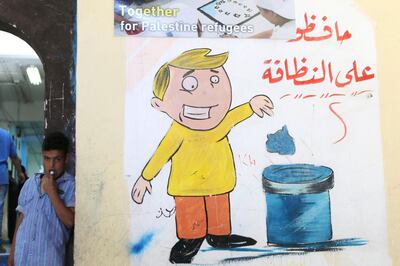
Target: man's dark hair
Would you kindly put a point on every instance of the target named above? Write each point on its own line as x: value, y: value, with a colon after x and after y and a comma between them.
x: 55, y: 141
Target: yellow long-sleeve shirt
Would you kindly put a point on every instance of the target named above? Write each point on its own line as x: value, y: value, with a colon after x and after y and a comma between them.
x: 201, y: 161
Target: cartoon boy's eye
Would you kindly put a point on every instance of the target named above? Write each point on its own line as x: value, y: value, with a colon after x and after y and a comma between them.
x: 214, y: 79
x: 190, y: 83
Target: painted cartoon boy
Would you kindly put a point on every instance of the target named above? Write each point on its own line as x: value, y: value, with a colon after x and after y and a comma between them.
x: 195, y: 91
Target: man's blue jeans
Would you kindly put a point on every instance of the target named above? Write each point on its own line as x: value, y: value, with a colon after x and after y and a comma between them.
x: 3, y: 193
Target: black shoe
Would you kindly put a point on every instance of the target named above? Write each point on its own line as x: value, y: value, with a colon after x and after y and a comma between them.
x: 229, y: 241
x: 184, y: 250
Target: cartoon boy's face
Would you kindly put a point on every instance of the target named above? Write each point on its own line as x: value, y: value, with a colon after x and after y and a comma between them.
x: 197, y: 99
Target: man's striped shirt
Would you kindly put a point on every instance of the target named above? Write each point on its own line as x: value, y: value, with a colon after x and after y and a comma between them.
x: 42, y: 237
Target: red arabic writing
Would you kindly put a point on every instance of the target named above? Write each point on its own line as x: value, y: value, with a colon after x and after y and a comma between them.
x: 320, y: 73
x: 304, y: 96
x: 341, y: 120
x: 247, y: 160
x: 310, y: 34
x: 302, y: 72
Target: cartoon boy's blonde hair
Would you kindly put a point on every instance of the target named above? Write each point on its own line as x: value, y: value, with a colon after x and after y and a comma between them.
x: 196, y: 59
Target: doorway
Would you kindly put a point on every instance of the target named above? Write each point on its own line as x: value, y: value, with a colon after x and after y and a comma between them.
x: 22, y: 93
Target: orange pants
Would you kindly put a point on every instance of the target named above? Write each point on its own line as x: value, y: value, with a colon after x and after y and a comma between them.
x: 198, y: 216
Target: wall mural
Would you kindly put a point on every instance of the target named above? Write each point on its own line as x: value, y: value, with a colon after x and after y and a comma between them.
x: 247, y: 151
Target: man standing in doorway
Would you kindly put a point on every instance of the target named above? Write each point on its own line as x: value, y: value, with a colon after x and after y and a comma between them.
x: 7, y: 150
x: 46, y: 209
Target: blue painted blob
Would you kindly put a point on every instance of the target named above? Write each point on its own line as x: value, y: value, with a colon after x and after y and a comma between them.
x: 281, y: 142
x: 143, y: 242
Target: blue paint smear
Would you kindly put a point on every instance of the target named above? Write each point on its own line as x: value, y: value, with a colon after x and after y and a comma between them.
x: 281, y: 142
x: 250, y: 258
x: 320, y: 246
x: 143, y: 242
x: 333, y: 245
x: 271, y: 250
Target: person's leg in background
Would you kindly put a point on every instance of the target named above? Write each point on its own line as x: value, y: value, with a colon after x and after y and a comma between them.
x: 10, y: 211
x: 3, y: 193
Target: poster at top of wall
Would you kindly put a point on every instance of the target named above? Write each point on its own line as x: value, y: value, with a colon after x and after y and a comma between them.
x: 257, y: 151
x: 205, y: 18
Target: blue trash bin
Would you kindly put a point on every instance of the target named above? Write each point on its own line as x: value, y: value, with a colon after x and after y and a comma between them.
x: 298, y: 204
